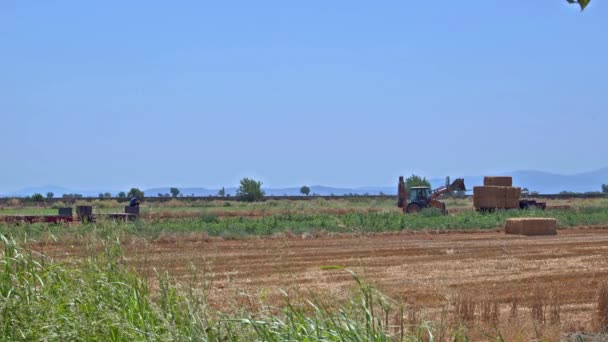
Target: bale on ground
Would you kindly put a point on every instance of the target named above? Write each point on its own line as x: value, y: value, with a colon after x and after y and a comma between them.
x: 531, y: 226
x: 498, y: 181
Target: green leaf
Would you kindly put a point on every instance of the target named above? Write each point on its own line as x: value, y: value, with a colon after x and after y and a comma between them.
x: 582, y: 3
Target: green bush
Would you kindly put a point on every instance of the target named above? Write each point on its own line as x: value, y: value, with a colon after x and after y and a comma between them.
x: 58, y: 205
x: 250, y: 190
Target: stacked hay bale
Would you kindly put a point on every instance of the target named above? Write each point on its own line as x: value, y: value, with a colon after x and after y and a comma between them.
x: 531, y: 226
x: 498, y: 181
x: 496, y: 193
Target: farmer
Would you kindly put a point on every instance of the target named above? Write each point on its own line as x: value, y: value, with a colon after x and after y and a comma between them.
x: 134, y: 202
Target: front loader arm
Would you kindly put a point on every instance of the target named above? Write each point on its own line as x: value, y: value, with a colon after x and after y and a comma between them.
x: 457, y: 185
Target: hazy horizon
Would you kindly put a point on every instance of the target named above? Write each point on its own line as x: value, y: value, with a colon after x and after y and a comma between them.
x: 532, y: 179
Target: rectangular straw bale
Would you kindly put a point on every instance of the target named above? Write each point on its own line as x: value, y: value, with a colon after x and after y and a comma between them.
x: 498, y: 181
x: 489, y: 197
x: 512, y: 195
x: 531, y: 226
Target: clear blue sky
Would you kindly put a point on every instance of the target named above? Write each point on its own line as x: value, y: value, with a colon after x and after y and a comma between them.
x: 113, y: 94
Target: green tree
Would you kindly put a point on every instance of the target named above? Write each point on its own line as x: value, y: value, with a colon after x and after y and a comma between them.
x: 122, y: 194
x: 135, y: 192
x: 38, y: 198
x: 174, y: 192
x: 107, y: 195
x: 50, y: 195
x: 304, y: 190
x: 222, y: 192
x: 447, y: 181
x: 250, y: 190
x: 415, y: 180
x: 605, y: 188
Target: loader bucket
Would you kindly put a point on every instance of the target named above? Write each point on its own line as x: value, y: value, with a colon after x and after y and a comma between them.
x: 458, y: 185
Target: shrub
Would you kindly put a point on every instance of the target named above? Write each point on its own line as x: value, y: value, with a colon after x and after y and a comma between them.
x: 14, y: 202
x: 135, y: 192
x: 38, y: 198
x: 250, y: 190
x: 208, y: 217
x: 58, y: 204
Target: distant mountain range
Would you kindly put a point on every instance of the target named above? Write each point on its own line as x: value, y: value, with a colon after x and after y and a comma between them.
x: 543, y: 182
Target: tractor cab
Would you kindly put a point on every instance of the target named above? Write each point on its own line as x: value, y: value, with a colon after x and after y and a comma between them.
x: 420, y: 195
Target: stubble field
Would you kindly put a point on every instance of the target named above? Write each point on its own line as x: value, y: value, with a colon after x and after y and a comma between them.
x: 430, y: 273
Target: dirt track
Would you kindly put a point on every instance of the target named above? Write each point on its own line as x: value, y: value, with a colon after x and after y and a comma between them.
x: 420, y: 269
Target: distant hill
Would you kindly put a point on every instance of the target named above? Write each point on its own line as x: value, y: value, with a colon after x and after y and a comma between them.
x: 543, y: 182
x: 546, y: 182
x: 57, y: 191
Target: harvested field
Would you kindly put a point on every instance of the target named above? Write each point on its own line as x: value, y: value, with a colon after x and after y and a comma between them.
x: 422, y: 269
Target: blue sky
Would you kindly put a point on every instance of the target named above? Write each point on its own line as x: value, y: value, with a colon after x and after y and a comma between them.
x: 116, y: 94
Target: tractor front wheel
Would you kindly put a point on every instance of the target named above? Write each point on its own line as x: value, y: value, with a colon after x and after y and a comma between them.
x: 413, y: 208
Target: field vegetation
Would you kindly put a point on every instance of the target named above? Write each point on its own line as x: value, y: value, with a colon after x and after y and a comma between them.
x: 235, y: 219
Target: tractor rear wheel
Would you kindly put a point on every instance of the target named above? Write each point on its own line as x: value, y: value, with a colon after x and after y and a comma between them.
x: 413, y: 208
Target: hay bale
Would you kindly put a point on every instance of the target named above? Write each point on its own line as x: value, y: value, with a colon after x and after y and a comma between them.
x: 512, y: 195
x: 498, y: 181
x: 489, y: 197
x: 531, y: 226
x: 496, y: 197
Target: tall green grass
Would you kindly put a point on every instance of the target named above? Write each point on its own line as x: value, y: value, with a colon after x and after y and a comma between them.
x: 98, y: 300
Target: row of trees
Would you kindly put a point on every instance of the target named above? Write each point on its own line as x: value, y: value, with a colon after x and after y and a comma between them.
x: 249, y: 190
x: 134, y: 192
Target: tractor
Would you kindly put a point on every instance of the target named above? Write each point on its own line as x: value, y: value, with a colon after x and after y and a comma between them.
x: 416, y: 198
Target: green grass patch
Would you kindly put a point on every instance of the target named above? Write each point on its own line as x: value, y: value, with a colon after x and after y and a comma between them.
x: 332, y: 267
